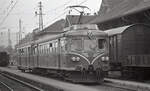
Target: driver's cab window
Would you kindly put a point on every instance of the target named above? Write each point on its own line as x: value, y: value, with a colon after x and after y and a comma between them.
x: 76, y: 44
x: 101, y: 43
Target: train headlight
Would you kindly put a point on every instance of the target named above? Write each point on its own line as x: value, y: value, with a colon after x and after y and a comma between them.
x: 73, y: 59
x: 107, y: 58
x: 103, y: 58
x: 78, y: 59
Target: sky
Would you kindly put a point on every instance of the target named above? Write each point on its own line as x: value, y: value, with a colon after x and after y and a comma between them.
x: 13, y: 10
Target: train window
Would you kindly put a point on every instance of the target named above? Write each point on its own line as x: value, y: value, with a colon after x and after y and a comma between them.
x: 36, y: 49
x: 56, y: 44
x: 47, y: 47
x: 32, y: 50
x: 22, y: 51
x: 44, y: 49
x: 90, y: 44
x: 76, y: 44
x: 25, y: 51
x: 101, y: 43
x: 115, y: 40
x: 62, y: 42
x: 50, y: 45
x: 28, y: 50
x: 50, y: 49
x: 40, y: 49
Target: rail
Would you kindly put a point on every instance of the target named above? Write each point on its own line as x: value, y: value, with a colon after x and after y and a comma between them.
x: 22, y: 82
x: 10, y: 89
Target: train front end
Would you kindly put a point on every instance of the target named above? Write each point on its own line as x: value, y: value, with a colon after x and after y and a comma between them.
x: 88, y: 53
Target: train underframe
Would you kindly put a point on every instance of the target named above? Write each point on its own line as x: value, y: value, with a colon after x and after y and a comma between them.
x: 135, y: 72
x: 130, y: 72
x: 75, y: 76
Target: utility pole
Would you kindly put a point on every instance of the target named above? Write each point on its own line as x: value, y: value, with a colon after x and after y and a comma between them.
x: 9, y: 40
x: 20, y: 30
x: 40, y: 16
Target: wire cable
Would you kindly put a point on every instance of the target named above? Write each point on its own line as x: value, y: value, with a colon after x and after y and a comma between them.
x: 83, y: 2
x: 63, y: 12
x: 8, y: 13
x: 7, y: 8
x: 60, y: 6
x: 57, y: 17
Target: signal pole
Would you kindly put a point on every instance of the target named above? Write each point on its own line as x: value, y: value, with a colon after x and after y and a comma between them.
x: 40, y: 16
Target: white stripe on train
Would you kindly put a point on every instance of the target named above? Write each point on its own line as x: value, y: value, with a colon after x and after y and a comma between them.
x: 97, y: 58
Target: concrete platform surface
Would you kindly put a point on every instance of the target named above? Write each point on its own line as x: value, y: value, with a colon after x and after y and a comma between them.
x: 51, y: 82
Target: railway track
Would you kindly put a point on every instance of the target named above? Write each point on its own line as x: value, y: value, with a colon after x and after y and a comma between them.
x: 5, y: 87
x: 10, y: 83
x: 108, y: 85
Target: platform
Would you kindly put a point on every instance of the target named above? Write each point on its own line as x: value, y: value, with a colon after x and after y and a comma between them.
x: 59, y: 85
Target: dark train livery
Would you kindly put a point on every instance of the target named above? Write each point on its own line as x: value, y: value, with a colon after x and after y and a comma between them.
x: 129, y: 50
x: 4, y: 59
x: 79, y: 53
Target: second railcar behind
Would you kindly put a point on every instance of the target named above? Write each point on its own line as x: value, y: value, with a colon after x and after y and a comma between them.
x: 130, y: 50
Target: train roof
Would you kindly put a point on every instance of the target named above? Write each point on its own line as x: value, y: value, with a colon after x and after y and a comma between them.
x: 77, y: 30
x: 24, y: 44
x: 47, y: 38
x: 71, y: 34
x: 118, y: 30
x: 85, y: 33
x: 83, y: 30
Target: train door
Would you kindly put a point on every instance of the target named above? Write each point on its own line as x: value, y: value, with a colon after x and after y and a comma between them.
x: 19, y: 57
x: 29, y: 57
x: 62, y: 52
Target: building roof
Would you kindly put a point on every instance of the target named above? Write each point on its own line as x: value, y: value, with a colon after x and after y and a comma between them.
x: 127, y: 7
x: 57, y: 26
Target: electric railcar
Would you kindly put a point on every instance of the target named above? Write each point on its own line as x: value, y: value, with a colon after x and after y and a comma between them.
x: 79, y: 54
